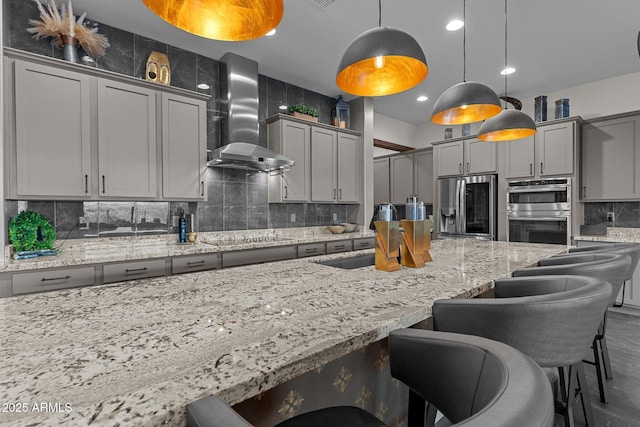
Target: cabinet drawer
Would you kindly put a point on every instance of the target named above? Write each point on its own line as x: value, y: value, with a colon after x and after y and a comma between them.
x: 339, y: 246
x: 50, y: 280
x: 187, y: 264
x: 133, y: 270
x: 364, y: 243
x: 255, y: 256
x: 311, y: 249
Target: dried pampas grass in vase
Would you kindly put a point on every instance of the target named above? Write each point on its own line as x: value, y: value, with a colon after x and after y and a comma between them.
x: 66, y: 31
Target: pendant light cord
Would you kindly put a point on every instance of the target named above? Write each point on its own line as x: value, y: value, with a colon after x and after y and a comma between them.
x: 379, y: 13
x: 464, y: 40
x: 505, y: 53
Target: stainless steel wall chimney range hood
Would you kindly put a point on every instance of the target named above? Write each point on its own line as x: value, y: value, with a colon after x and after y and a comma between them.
x: 240, y: 128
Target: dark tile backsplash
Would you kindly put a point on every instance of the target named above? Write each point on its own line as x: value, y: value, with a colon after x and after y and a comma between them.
x: 236, y: 200
x: 625, y: 214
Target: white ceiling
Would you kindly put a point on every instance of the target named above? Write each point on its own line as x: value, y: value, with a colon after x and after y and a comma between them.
x: 553, y: 44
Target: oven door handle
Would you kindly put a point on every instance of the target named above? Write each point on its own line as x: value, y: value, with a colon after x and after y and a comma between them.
x: 538, y: 218
x: 541, y: 189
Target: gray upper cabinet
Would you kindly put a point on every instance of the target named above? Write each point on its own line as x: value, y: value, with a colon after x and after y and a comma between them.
x: 126, y: 140
x: 381, y: 189
x: 184, y: 147
x: 450, y: 158
x: 52, y: 132
x: 292, y: 139
x: 423, y: 171
x: 81, y: 133
x: 324, y: 165
x: 466, y: 157
x: 349, y: 169
x: 550, y: 152
x: 611, y: 159
x: 401, y: 178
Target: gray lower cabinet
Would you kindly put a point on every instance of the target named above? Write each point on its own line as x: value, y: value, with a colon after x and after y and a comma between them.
x: 191, y: 263
x: 53, y: 279
x: 311, y: 249
x: 256, y: 256
x: 121, y: 271
x: 339, y: 246
x: 364, y: 243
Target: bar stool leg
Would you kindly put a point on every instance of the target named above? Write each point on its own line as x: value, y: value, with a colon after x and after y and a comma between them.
x: 599, y: 369
x: 605, y: 358
x: 584, y: 394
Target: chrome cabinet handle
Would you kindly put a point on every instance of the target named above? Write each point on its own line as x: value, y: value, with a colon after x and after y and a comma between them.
x: 86, y: 184
x: 467, y: 166
x: 340, y: 194
x: 541, y: 168
x: 202, y: 192
x: 103, y: 184
x: 334, y: 194
x: 531, y: 169
x: 460, y: 167
x: 286, y: 192
x: 311, y: 250
x: 339, y: 246
x: 50, y: 279
x: 584, y: 192
x: 195, y: 263
x: 135, y: 270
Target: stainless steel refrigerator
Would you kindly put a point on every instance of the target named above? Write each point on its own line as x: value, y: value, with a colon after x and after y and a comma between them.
x: 468, y: 207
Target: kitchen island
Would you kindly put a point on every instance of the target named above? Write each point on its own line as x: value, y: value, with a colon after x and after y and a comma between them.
x: 136, y: 353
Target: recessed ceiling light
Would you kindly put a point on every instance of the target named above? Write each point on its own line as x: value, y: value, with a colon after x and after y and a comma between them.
x: 270, y: 33
x: 283, y: 107
x: 422, y: 98
x: 203, y: 86
x: 455, y: 25
x: 507, y: 71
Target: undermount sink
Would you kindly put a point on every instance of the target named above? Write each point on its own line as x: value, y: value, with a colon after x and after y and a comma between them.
x: 356, y: 261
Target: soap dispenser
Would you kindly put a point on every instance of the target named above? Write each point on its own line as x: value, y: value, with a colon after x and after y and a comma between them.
x: 182, y: 228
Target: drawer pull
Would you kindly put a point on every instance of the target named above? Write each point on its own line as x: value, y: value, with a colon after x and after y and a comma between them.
x: 136, y: 270
x: 86, y: 183
x: 311, y: 250
x: 339, y: 246
x: 363, y: 244
x: 195, y: 263
x: 47, y: 279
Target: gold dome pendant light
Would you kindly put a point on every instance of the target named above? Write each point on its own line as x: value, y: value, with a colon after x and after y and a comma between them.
x: 227, y: 20
x: 381, y: 61
x: 509, y: 124
x: 465, y: 102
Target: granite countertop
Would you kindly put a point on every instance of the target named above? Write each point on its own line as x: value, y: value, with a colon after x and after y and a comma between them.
x: 614, y: 234
x: 136, y: 353
x: 112, y: 249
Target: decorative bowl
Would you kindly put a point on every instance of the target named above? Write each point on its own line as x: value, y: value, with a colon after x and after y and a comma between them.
x: 349, y: 227
x: 336, y: 229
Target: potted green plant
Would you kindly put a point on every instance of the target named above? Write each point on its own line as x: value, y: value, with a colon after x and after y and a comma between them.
x: 303, y: 112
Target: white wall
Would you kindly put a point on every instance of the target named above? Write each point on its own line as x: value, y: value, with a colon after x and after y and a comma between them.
x: 393, y: 130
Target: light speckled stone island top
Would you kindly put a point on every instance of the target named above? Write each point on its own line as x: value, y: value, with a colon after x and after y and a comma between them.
x: 136, y: 353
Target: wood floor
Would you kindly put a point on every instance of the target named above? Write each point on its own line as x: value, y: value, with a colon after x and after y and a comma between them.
x: 623, y: 391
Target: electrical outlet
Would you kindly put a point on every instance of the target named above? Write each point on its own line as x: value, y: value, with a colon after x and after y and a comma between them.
x: 293, y: 217
x: 335, y: 216
x: 611, y: 216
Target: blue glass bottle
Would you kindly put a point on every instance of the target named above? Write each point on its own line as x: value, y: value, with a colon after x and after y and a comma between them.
x: 182, y: 225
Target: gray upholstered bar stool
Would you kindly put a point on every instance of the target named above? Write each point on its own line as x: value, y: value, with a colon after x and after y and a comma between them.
x: 631, y: 249
x: 610, y: 267
x: 552, y: 319
x: 471, y: 380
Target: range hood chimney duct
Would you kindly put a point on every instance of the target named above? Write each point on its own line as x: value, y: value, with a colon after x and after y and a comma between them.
x: 240, y: 128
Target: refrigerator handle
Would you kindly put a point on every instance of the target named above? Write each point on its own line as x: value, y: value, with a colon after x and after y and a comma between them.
x: 461, y: 223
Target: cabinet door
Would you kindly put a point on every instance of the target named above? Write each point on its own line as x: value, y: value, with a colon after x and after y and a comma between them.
x: 401, y: 167
x: 449, y: 158
x: 348, y: 168
x: 480, y: 157
x: 324, y: 159
x: 126, y: 140
x: 381, y: 188
x: 611, y: 159
x: 520, y: 158
x: 296, y: 145
x: 555, y: 145
x: 184, y: 145
x: 52, y: 132
x: 423, y: 169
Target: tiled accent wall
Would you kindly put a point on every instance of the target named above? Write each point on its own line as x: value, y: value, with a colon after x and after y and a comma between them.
x: 626, y: 214
x: 236, y: 200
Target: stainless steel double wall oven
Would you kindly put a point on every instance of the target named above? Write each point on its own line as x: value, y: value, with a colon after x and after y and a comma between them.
x: 539, y: 211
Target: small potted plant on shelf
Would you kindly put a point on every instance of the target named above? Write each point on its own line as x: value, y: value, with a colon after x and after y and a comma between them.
x: 305, y: 113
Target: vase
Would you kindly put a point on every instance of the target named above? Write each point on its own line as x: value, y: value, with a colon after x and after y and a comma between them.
x: 70, y: 49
